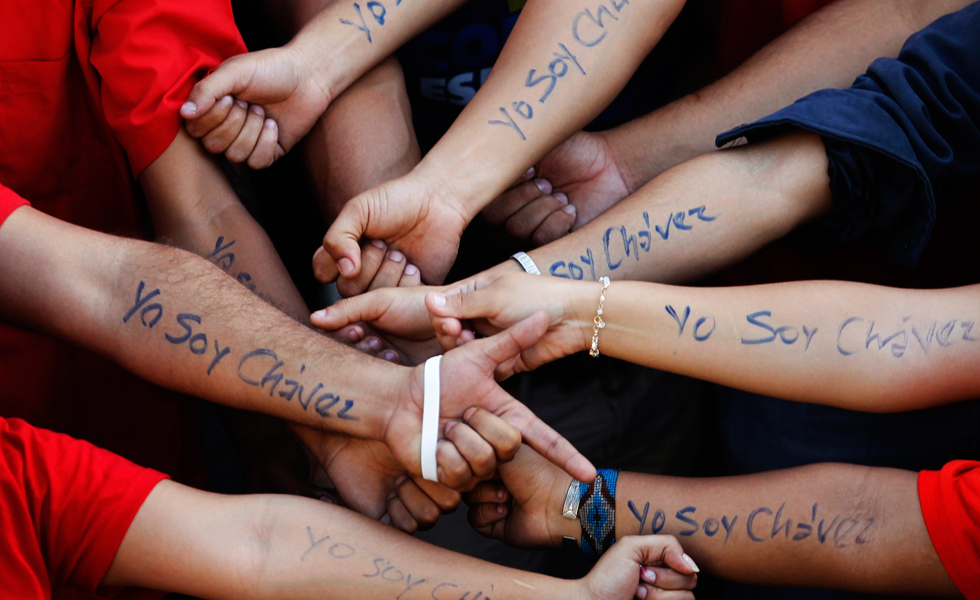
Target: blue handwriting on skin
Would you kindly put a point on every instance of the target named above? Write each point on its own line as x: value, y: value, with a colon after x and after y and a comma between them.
x: 321, y: 401
x: 225, y: 260
x: 701, y: 331
x: 377, y: 10
x: 589, y: 28
x: 840, y: 531
x: 634, y: 244
x: 787, y: 334
x: 944, y: 333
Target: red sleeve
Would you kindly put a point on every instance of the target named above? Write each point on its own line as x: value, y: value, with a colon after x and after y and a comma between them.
x: 9, y: 202
x: 80, y: 500
x: 149, y: 54
x: 950, y: 501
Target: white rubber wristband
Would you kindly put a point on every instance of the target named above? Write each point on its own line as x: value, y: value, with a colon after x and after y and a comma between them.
x: 431, y: 400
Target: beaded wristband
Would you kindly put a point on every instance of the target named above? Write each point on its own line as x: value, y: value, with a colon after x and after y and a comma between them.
x: 597, y: 513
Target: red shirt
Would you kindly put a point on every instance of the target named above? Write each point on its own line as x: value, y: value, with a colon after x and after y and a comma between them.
x: 950, y: 501
x: 65, y: 506
x: 89, y: 95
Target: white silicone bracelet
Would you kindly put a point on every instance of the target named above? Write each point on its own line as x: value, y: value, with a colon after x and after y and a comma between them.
x: 431, y: 400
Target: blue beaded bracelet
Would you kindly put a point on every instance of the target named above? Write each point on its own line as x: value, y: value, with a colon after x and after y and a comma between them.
x: 597, y: 513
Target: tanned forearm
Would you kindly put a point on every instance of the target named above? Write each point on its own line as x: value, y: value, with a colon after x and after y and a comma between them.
x: 851, y: 345
x: 698, y: 217
x: 827, y: 50
x: 564, y: 62
x: 179, y: 321
x: 195, y: 208
x: 828, y: 526
x: 276, y: 546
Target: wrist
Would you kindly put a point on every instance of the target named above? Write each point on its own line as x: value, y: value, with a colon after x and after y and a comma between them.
x: 583, y: 307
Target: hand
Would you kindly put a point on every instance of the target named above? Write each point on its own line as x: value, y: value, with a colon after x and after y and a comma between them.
x: 493, y: 303
x: 578, y: 181
x: 370, y: 481
x: 404, y: 214
x: 467, y: 381
x: 278, y: 80
x: 632, y: 566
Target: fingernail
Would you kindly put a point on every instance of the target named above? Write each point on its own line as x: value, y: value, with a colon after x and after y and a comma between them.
x: 320, y: 314
x: 375, y: 344
x: 386, y: 519
x: 255, y: 108
x: 561, y: 198
x: 352, y: 334
x: 411, y: 270
x: 501, y: 509
x: 570, y: 209
x: 469, y: 413
x: 226, y: 100
x: 439, y: 300
x: 241, y: 103
x: 690, y: 562
x: 460, y: 341
x: 269, y: 124
x: 327, y: 499
x: 501, y: 495
x: 648, y: 575
x: 189, y: 108
x: 528, y: 174
x: 392, y: 496
x: 641, y: 592
x: 396, y: 256
x: 390, y: 356
x: 401, y: 479
x: 378, y: 244
x: 450, y: 425
x: 346, y: 266
x: 544, y: 185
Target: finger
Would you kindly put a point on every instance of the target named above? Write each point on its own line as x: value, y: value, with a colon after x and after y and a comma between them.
x: 223, y: 135
x: 243, y: 145
x: 411, y: 277
x: 425, y: 512
x: 661, y: 549
x: 226, y: 80
x: 514, y: 199
x: 390, y: 272
x: 526, y: 221
x: 447, y: 499
x: 557, y: 225
x: 453, y: 470
x: 342, y: 239
x: 475, y: 450
x: 265, y: 153
x: 370, y: 345
x: 401, y: 518
x: 483, y: 517
x: 446, y: 311
x: 351, y: 333
x: 549, y: 443
x: 649, y: 592
x: 502, y: 436
x: 510, y: 342
x: 324, y: 268
x: 366, y: 308
x: 668, y: 579
x: 488, y: 492
x: 372, y: 255
x: 203, y: 125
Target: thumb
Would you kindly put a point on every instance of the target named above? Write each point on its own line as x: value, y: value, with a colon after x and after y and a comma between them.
x: 229, y: 79
x: 367, y: 308
x: 665, y: 549
x: 342, y: 242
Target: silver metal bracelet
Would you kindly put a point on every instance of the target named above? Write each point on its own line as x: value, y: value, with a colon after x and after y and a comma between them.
x: 526, y: 263
x: 572, y: 499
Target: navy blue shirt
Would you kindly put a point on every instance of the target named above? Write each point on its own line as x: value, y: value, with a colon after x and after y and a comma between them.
x: 903, y: 141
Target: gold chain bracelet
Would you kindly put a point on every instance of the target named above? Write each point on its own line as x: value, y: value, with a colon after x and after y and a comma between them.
x: 597, y: 322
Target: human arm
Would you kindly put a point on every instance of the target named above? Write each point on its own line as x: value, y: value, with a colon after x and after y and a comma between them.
x: 178, y: 321
x: 264, y: 546
x: 592, y: 51
x: 830, y: 526
x: 827, y: 50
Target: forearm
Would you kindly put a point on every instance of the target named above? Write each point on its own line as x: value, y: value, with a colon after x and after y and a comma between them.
x: 564, y: 62
x: 825, y: 526
x: 827, y: 50
x: 270, y: 546
x: 700, y: 216
x: 194, y: 208
x: 177, y: 320
x: 850, y: 345
x: 347, y: 39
